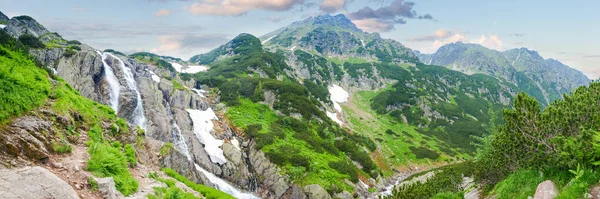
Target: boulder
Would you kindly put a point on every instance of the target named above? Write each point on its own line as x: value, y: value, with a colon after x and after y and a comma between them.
x: 344, y: 195
x: 316, y: 191
x: 33, y: 182
x: 106, y: 186
x: 546, y: 190
x: 594, y: 192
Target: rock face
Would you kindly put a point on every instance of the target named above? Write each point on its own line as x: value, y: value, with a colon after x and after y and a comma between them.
x: 21, y: 25
x: 316, y: 191
x: 3, y: 18
x: 594, y: 192
x: 33, y: 182
x: 546, y: 190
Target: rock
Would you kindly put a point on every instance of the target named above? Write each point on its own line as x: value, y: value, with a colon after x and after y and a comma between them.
x: 106, y: 186
x: 594, y: 192
x: 344, y: 195
x: 4, y: 17
x: 76, y: 167
x: 316, y: 191
x: 18, y: 26
x: 546, y: 190
x: 33, y: 182
x: 57, y: 165
x: 267, y: 172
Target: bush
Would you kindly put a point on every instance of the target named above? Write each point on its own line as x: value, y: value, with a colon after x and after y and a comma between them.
x: 69, y: 52
x: 444, y: 181
x: 130, y: 154
x: 423, y: 152
x: 345, y: 167
x: 166, y: 149
x: 209, y: 193
x: 108, y: 161
x: 31, y: 41
x: 61, y: 147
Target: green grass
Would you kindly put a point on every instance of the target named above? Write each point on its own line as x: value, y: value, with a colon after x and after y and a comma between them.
x: 208, y: 192
x: 24, y: 85
x: 68, y: 100
x: 62, y: 147
x: 169, y: 192
x: 109, y: 161
x: 396, y: 148
x: 177, y: 85
x: 317, y: 172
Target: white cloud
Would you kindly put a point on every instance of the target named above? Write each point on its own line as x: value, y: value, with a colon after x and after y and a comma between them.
x: 188, y: 44
x: 330, y: 6
x: 239, y: 7
x: 492, y: 41
x: 162, y: 13
x: 373, y: 25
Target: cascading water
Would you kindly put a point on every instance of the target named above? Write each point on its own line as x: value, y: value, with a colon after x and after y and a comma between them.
x: 224, y: 186
x: 138, y: 116
x: 178, y: 139
x: 113, y: 83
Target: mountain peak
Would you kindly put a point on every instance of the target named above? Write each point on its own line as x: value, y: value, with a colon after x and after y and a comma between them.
x: 3, y: 18
x: 339, y: 20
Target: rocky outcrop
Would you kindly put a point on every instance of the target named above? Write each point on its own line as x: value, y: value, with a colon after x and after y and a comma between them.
x: 21, y: 25
x: 106, y: 186
x: 3, y: 18
x: 546, y: 190
x: 33, y: 182
x: 268, y: 173
x: 28, y: 138
x: 594, y: 192
x: 316, y: 191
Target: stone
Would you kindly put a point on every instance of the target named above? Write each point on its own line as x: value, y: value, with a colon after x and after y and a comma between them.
x: 344, y: 195
x: 33, y: 182
x: 57, y: 165
x: 546, y: 190
x: 106, y: 186
x: 594, y: 192
x: 316, y: 191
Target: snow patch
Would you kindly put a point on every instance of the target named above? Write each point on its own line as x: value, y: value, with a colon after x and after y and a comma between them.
x: 293, y: 48
x: 2, y: 26
x: 155, y: 77
x: 338, y: 95
x: 265, y: 41
x: 236, y: 143
x: 199, y: 92
x: 363, y: 43
x: 203, y: 125
x: 189, y: 69
x: 222, y: 185
x: 334, y: 117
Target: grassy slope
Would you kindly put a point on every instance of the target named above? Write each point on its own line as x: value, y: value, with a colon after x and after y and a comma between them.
x: 248, y: 113
x: 395, y: 148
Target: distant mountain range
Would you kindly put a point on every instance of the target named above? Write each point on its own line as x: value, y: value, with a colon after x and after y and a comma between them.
x: 520, y: 66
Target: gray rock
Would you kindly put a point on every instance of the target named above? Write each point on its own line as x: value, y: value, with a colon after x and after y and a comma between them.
x: 316, y: 191
x: 3, y: 17
x: 594, y: 192
x: 106, y: 186
x: 18, y: 26
x: 344, y: 195
x: 33, y: 182
x: 546, y: 190
x: 267, y: 172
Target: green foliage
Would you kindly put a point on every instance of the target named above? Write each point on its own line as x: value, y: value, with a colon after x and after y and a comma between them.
x: 62, y: 147
x: 93, y: 183
x: 74, y: 42
x: 69, y: 52
x: 130, y: 155
x: 166, y: 149
x: 24, y: 86
x: 422, y: 152
x: 154, y: 59
x: 169, y: 192
x: 209, y: 193
x: 24, y: 18
x: 445, y: 181
x: 109, y: 161
x: 518, y: 185
x: 177, y: 85
x: 31, y: 41
x: 449, y: 195
x: 114, y: 52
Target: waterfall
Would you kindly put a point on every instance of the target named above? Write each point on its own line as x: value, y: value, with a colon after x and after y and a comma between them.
x: 138, y: 116
x: 113, y: 83
x: 224, y: 186
x: 178, y: 139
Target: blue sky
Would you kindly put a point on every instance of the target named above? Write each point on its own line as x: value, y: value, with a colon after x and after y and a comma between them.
x: 562, y: 30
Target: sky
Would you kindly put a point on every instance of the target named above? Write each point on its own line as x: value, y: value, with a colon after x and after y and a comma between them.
x: 563, y: 30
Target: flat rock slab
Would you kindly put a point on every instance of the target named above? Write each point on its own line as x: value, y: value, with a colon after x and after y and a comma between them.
x: 33, y: 182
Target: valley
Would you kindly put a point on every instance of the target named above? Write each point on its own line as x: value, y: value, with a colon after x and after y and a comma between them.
x: 316, y: 109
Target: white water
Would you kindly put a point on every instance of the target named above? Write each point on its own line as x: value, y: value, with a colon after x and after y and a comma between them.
x: 113, y: 83
x: 199, y: 92
x: 180, y: 143
x: 188, y: 69
x: 265, y: 41
x: 224, y: 186
x: 203, y: 125
x: 155, y: 77
x: 139, y: 118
